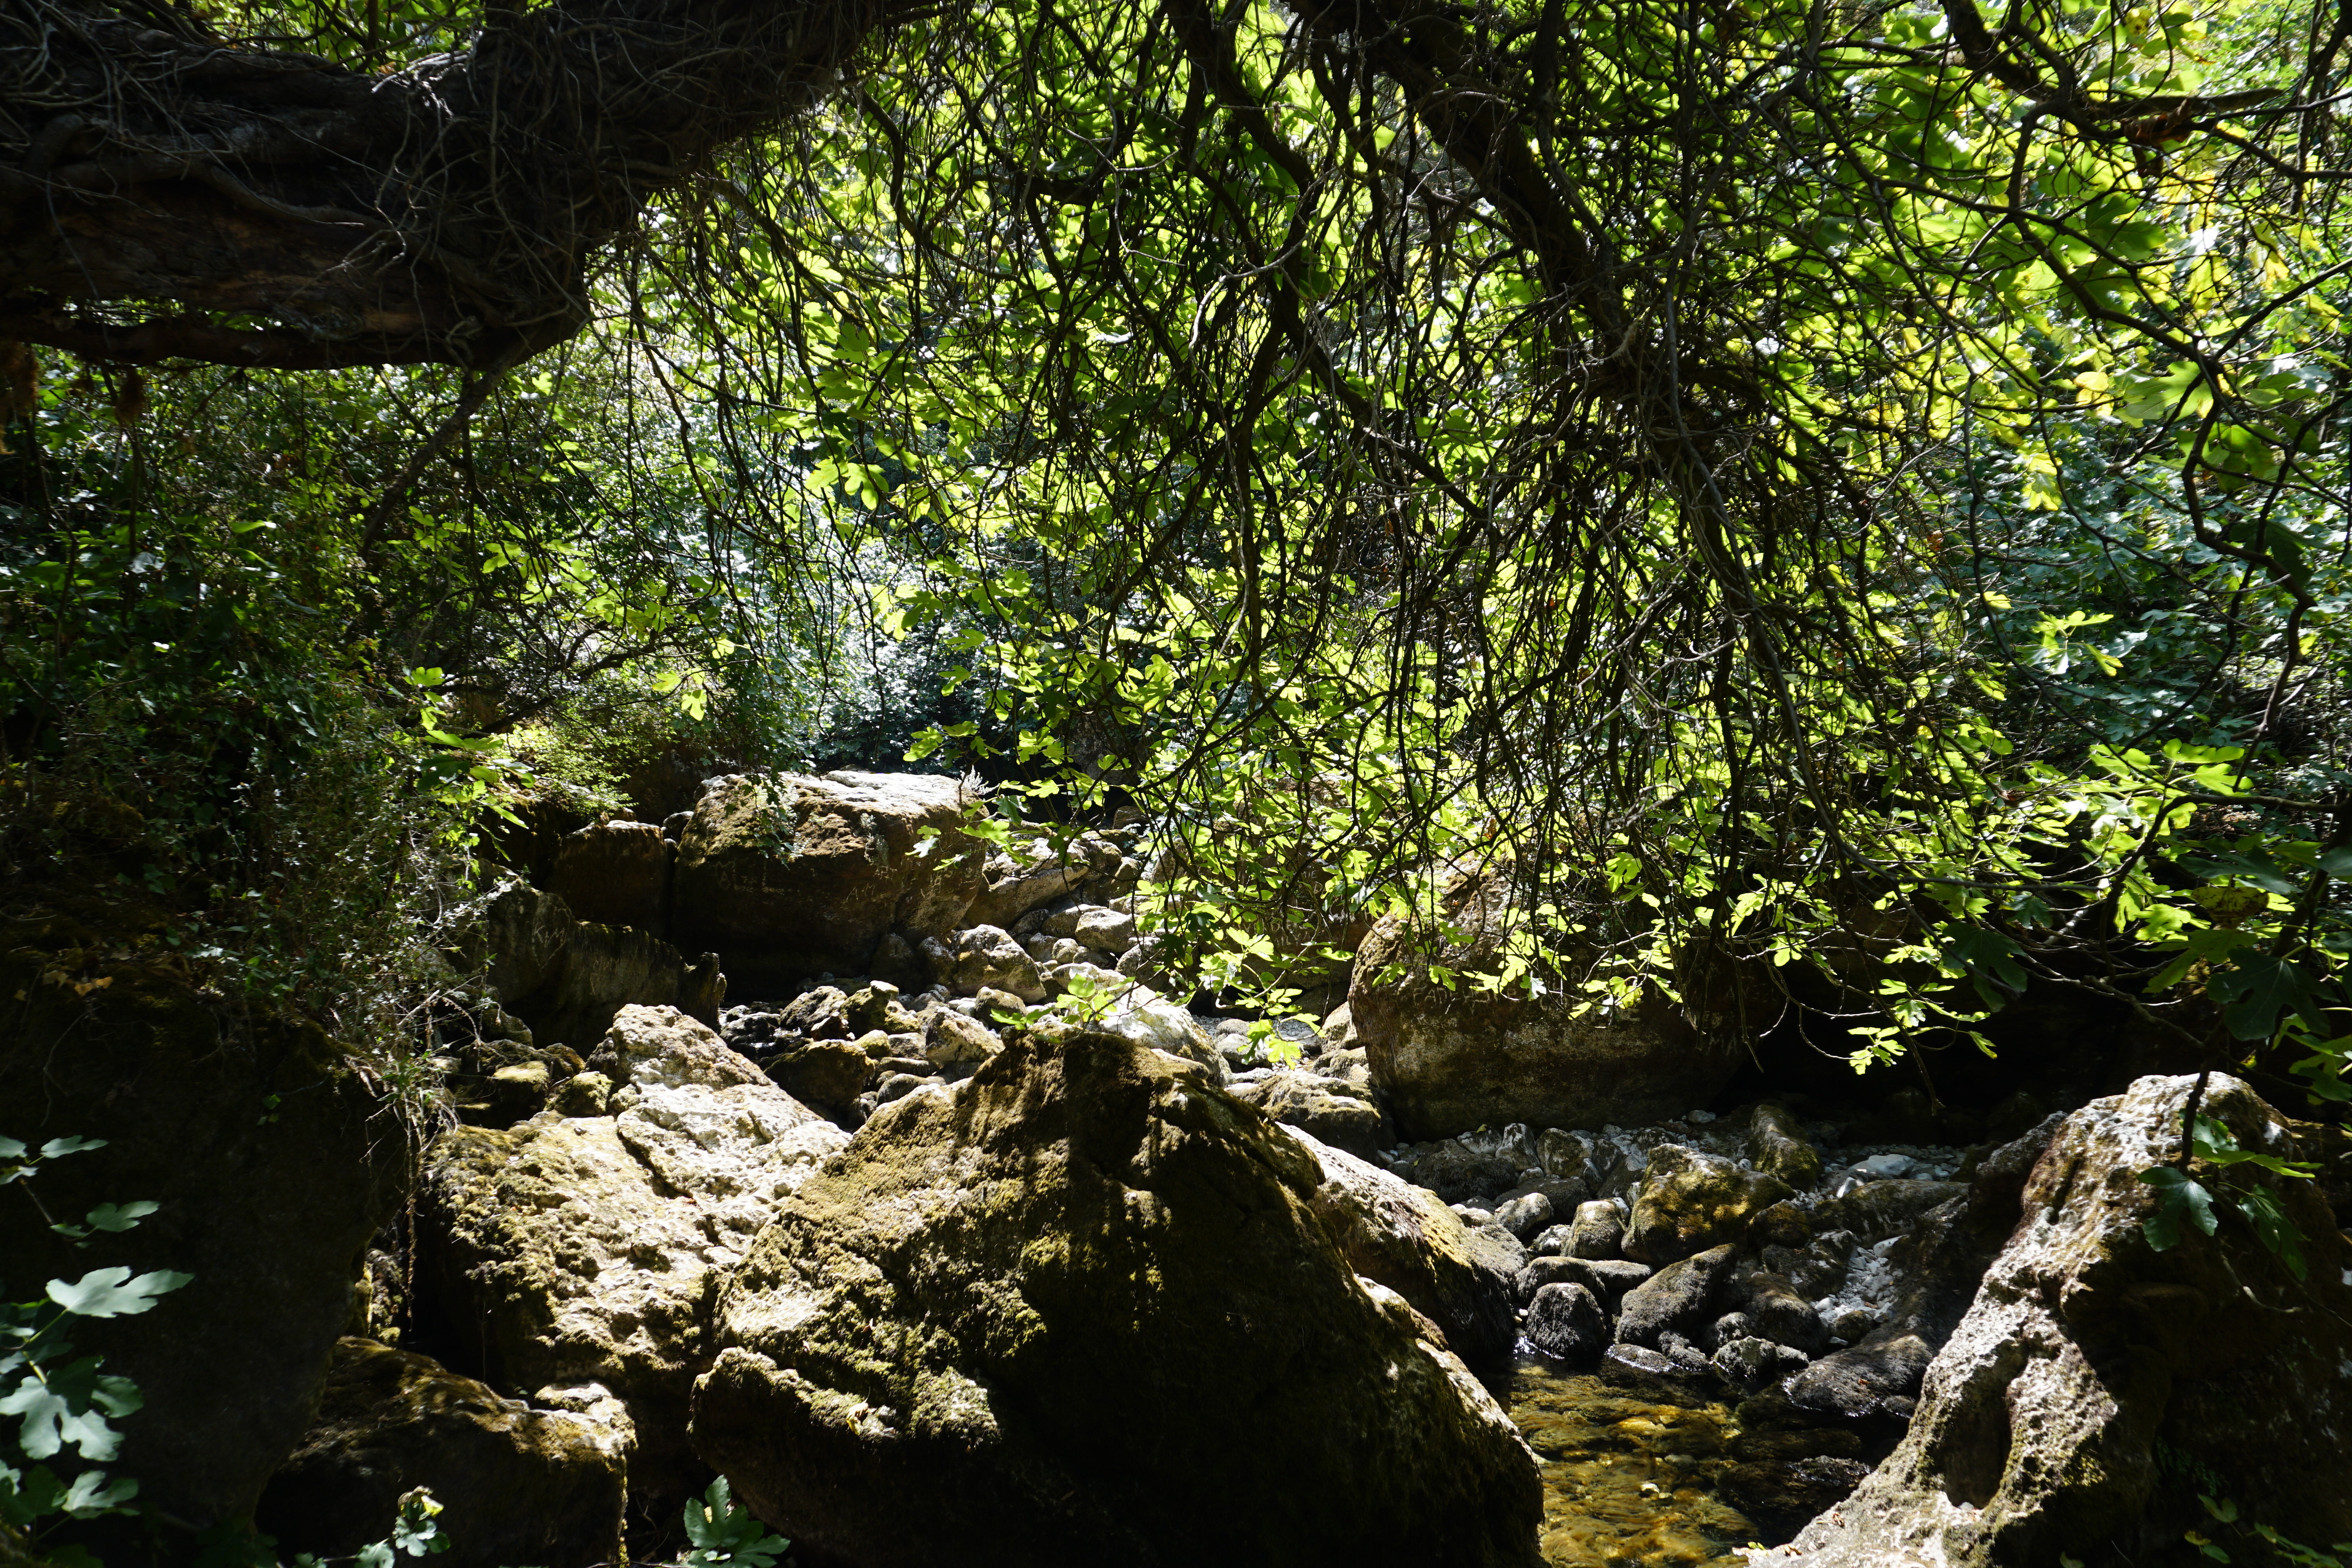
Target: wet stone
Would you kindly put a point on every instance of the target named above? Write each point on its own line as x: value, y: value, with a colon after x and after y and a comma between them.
x: 1565, y: 1322
x: 1749, y: 1365
x: 1649, y: 1372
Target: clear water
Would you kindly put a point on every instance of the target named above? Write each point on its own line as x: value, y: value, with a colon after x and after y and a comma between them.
x: 1627, y: 1481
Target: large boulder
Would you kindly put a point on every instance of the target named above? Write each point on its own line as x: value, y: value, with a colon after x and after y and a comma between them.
x: 787, y: 875
x: 1038, y: 874
x: 1678, y: 1299
x: 1014, y: 1314
x: 616, y: 873
x: 515, y: 1484
x: 1564, y: 1321
x: 1777, y: 1143
x: 567, y: 1251
x: 273, y: 1163
x: 1690, y: 1200
x: 566, y: 978
x: 2093, y: 1368
x: 1406, y: 1239
x: 1450, y: 1058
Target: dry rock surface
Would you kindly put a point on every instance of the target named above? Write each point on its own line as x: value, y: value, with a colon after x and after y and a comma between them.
x: 1450, y: 1060
x: 787, y: 875
x: 2090, y: 1362
x: 591, y: 1248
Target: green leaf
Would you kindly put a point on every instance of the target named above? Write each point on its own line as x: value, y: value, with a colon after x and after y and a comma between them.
x: 2177, y: 1194
x: 68, y: 1405
x: 2261, y: 1207
x: 1990, y: 960
x: 113, y: 1293
x: 92, y: 1494
x: 120, y: 1215
x: 2251, y: 864
x: 417, y: 1527
x: 2255, y: 989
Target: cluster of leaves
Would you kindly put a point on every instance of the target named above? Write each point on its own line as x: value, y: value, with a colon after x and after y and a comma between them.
x: 1863, y: 491
x: 722, y: 1534
x: 56, y: 1399
x: 2181, y: 1198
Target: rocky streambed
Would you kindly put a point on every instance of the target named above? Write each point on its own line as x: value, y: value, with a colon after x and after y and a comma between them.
x: 959, y: 1230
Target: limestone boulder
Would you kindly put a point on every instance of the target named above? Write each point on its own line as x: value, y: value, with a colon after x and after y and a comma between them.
x: 1476, y: 1165
x: 1329, y: 1109
x: 2091, y: 1369
x: 1447, y: 1060
x: 1676, y: 1300
x: 1608, y: 1279
x: 1598, y: 1230
x: 1771, y: 1310
x: 787, y: 875
x: 949, y: 1036
x: 1690, y: 1200
x: 1565, y: 1322
x: 1035, y: 873
x: 567, y: 1251
x: 1750, y: 1363
x: 1013, y: 1311
x: 987, y: 957
x: 273, y: 1163
x: 1142, y: 1017
x: 516, y: 1484
x: 566, y: 978
x: 1093, y: 926
x: 1402, y: 1237
x: 616, y: 873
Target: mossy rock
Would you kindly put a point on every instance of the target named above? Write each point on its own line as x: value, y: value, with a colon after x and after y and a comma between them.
x: 593, y: 1249
x: 2097, y: 1388
x: 787, y: 875
x: 1011, y: 1323
x: 516, y: 1485
x: 1690, y: 1200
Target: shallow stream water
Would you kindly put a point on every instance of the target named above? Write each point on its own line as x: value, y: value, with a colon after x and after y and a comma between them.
x: 1627, y: 1481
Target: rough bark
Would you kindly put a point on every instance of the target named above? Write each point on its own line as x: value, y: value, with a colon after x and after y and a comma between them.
x: 448, y: 212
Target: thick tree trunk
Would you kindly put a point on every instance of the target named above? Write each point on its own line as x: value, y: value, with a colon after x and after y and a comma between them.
x: 446, y: 212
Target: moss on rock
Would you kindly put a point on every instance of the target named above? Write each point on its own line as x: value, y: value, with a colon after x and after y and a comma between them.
x: 516, y: 1485
x: 1011, y: 1316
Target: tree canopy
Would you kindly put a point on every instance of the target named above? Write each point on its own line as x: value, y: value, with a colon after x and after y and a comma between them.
x: 1789, y: 481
